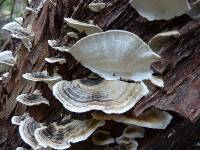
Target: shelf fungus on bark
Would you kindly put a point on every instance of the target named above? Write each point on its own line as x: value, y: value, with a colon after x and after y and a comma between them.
x: 59, y: 136
x: 7, y: 60
x: 19, y: 32
x: 150, y: 118
x: 73, y: 35
x: 97, y: 6
x: 83, y: 27
x: 130, y: 133
x: 87, y: 94
x: 59, y: 45
x: 27, y: 128
x: 160, y: 9
x: 43, y: 77
x: 157, y: 80
x: 133, y: 132
x: 101, y: 137
x: 53, y: 60
x: 32, y: 99
x: 115, y: 54
x: 160, y: 39
x: 17, y: 119
x: 19, y: 20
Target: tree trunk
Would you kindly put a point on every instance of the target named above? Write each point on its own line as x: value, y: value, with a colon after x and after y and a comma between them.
x: 182, y: 77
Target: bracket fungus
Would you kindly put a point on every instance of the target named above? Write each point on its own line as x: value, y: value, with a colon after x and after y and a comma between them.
x: 87, y: 94
x: 160, y: 39
x: 27, y: 128
x: 60, y: 136
x: 97, y: 7
x: 31, y: 99
x: 73, y: 35
x: 83, y: 27
x: 101, y: 137
x: 7, y: 60
x: 53, y: 60
x: 160, y: 9
x: 19, y: 32
x: 19, y: 20
x: 157, y: 80
x: 17, y: 119
x: 132, y: 132
x: 58, y: 45
x: 150, y: 118
x: 41, y: 76
x: 115, y: 54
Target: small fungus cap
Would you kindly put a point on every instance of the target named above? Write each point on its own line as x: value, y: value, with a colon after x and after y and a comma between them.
x: 160, y: 9
x: 60, y: 136
x: 101, y: 137
x: 41, y: 76
x: 97, y: 7
x: 83, y: 95
x: 52, y: 60
x: 115, y: 54
x: 160, y: 39
x: 83, y: 27
x: 32, y: 99
x: 151, y: 118
x: 27, y: 128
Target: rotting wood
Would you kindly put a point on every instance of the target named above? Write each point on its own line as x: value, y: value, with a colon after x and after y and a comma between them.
x: 182, y: 79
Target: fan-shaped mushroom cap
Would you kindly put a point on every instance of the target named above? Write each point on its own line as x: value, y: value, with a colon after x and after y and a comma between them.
x: 97, y: 7
x: 160, y: 39
x: 6, y: 57
x: 160, y: 9
x: 122, y: 140
x: 4, y: 75
x: 156, y: 80
x: 31, y: 99
x: 72, y: 35
x: 27, y: 128
x: 132, y: 132
x: 41, y: 76
x: 60, y: 136
x: 96, y: 94
x: 83, y: 27
x: 19, y: 20
x: 131, y: 146
x: 6, y: 61
x: 19, y: 32
x: 151, y: 118
x: 57, y: 44
x: 55, y: 60
x: 17, y: 119
x: 115, y: 54
x: 101, y: 137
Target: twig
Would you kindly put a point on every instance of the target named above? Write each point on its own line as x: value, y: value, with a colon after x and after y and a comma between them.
x: 12, y: 10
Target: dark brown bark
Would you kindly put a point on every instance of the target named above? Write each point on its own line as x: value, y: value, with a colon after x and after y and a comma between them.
x: 182, y: 77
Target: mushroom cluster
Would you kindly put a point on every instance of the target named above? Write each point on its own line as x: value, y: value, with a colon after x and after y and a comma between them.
x: 120, y: 64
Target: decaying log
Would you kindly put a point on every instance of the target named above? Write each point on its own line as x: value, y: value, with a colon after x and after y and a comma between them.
x: 180, y: 56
